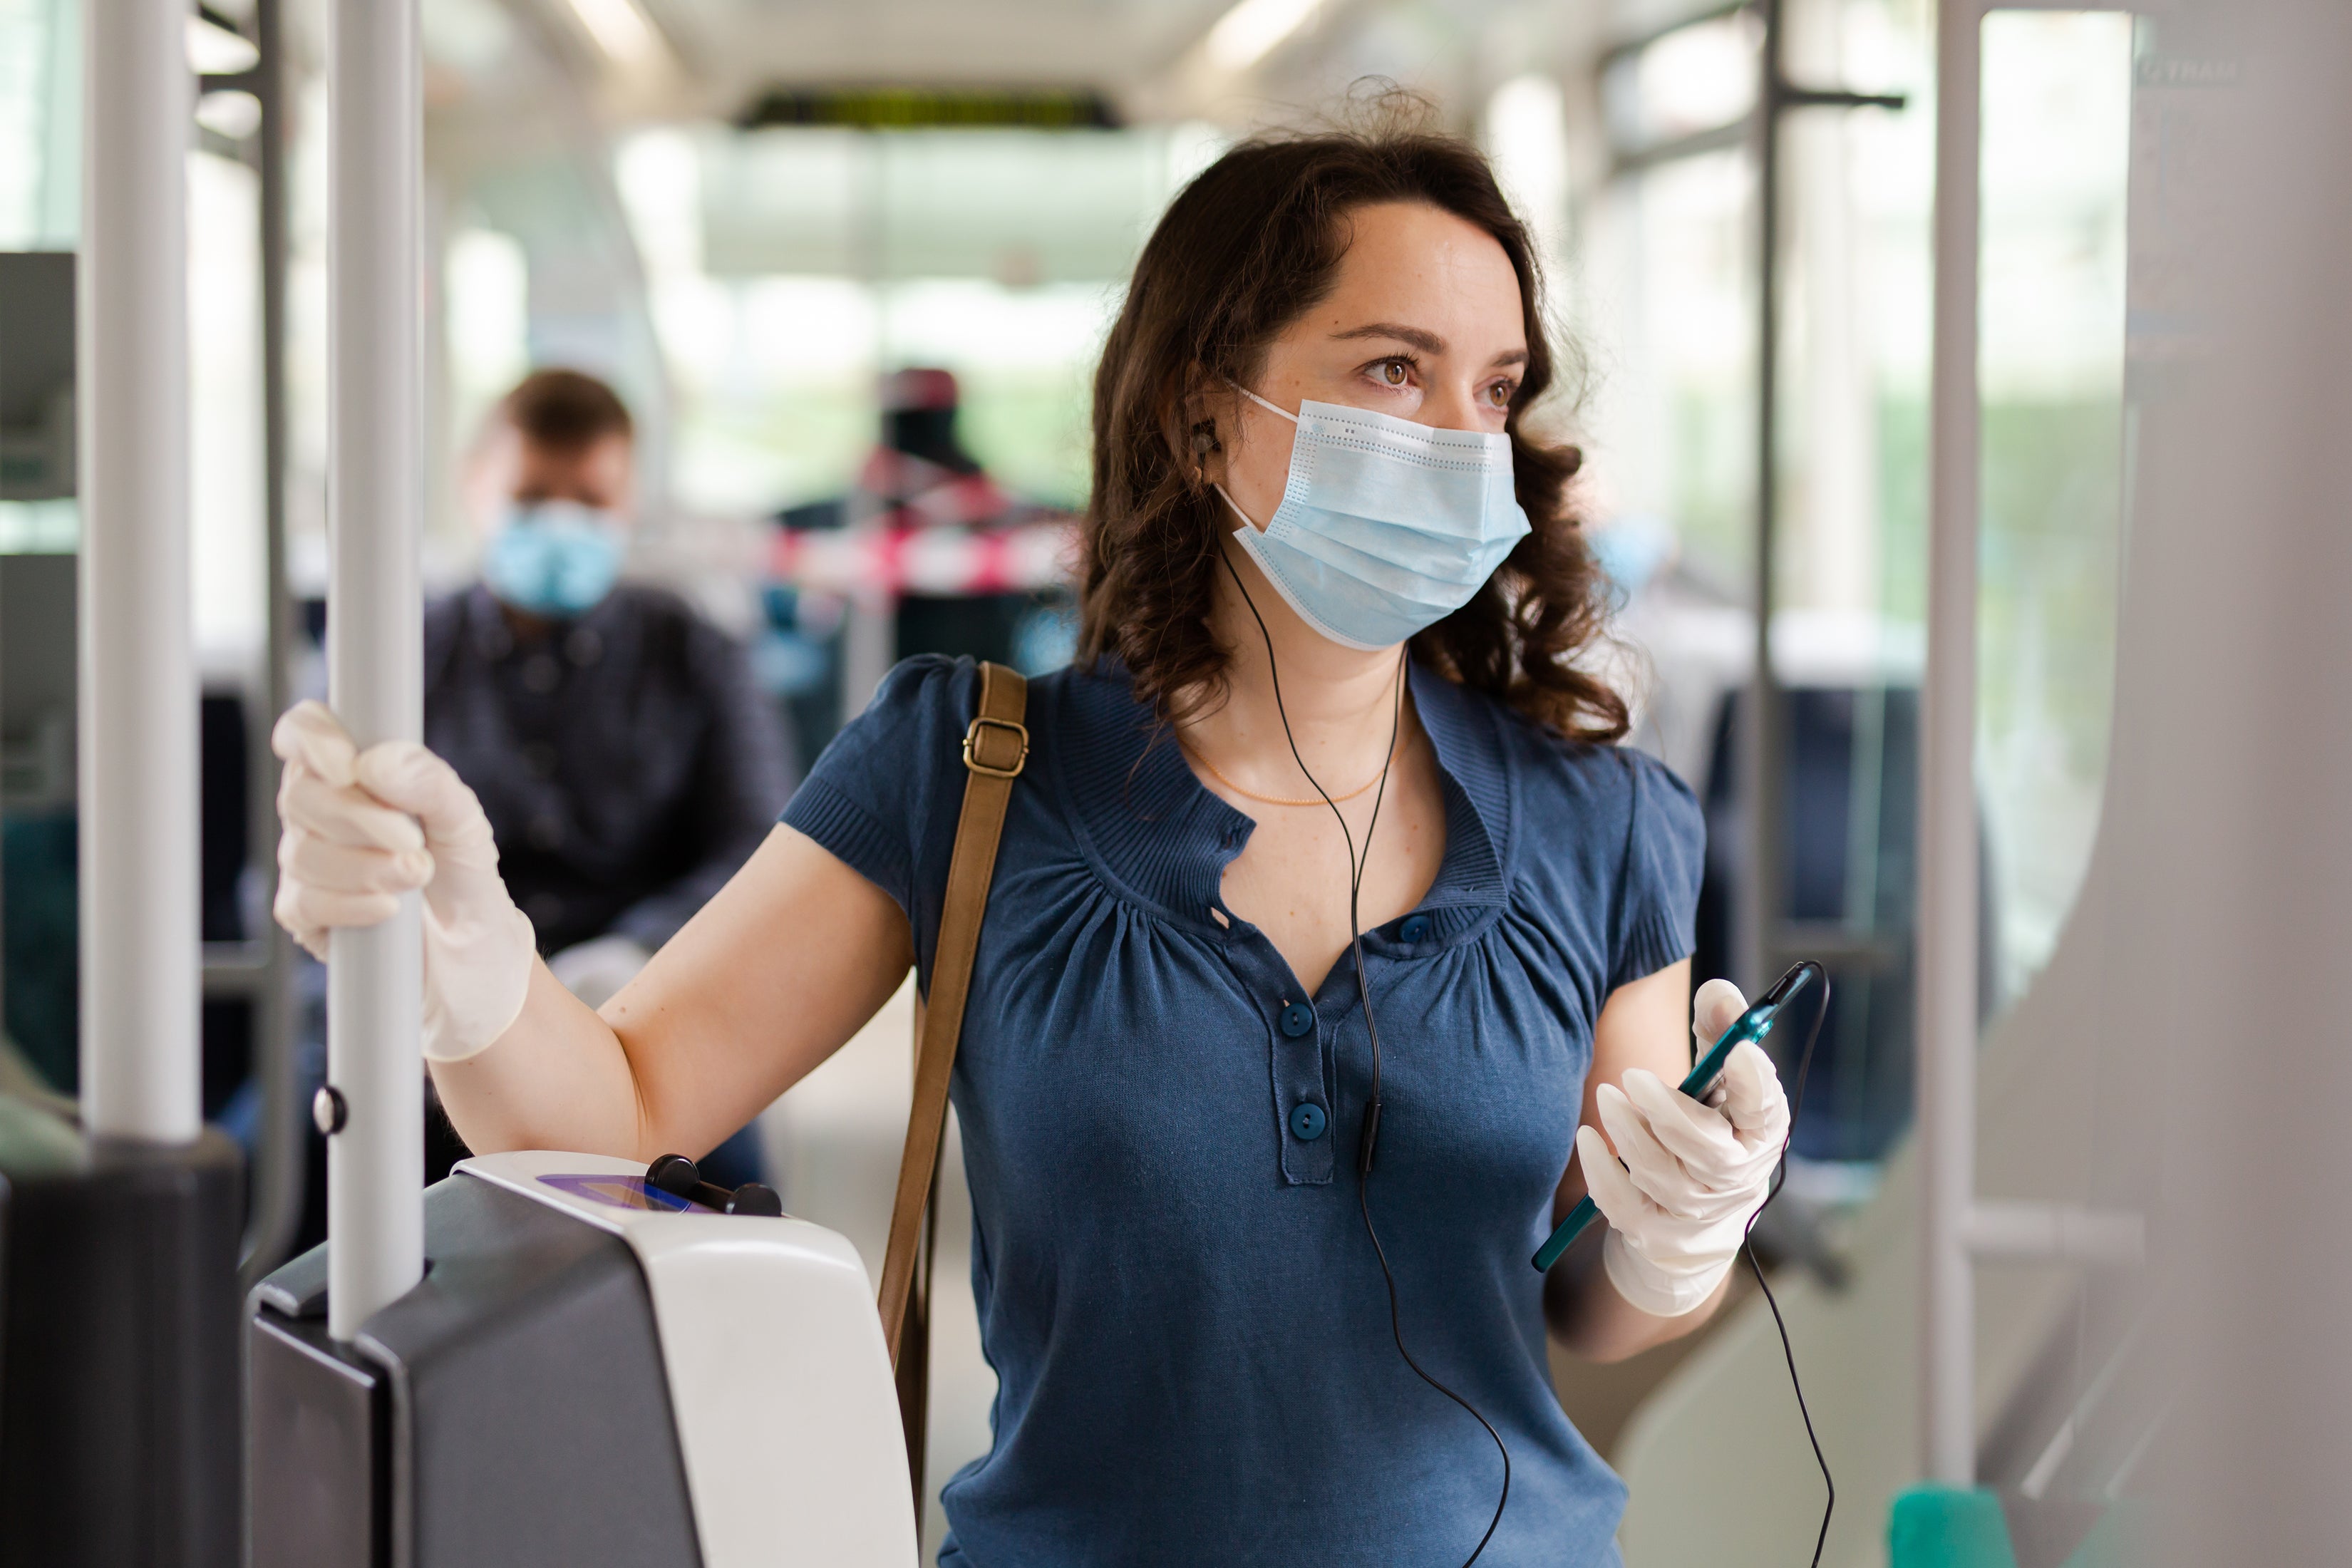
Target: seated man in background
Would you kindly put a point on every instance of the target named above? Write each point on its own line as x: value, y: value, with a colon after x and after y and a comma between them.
x: 627, y: 759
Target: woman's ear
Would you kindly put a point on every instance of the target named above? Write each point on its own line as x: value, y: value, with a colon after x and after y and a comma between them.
x: 1207, y: 412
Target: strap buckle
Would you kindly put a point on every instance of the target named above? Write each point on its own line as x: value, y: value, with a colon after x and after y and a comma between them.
x: 971, y: 740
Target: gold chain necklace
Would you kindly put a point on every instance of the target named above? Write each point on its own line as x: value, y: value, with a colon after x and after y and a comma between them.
x: 1284, y: 800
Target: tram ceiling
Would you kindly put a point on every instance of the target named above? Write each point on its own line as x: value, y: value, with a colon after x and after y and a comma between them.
x: 718, y: 57
x: 1227, y: 60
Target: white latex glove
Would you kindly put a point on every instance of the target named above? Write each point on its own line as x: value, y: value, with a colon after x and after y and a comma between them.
x: 1692, y: 1175
x: 595, y: 970
x: 364, y: 827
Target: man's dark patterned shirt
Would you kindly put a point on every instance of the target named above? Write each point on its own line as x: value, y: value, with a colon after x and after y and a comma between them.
x: 627, y: 760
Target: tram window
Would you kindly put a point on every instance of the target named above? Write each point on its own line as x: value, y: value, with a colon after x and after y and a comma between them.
x: 1663, y: 266
x: 1694, y: 79
x: 2057, y: 150
x: 226, y: 504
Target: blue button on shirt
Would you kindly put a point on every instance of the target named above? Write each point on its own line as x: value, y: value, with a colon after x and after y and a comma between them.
x: 1188, y: 1326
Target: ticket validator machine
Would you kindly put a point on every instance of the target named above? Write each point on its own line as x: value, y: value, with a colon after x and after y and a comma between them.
x: 547, y: 1360
x: 600, y: 1366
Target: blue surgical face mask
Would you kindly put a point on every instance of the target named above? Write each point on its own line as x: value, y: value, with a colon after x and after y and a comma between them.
x: 553, y: 558
x: 1386, y: 527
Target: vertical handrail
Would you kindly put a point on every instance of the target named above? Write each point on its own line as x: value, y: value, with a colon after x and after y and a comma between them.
x: 1948, y: 839
x: 276, y: 1174
x: 1759, y: 944
x: 141, y: 1066
x: 1763, y: 900
x: 375, y: 1163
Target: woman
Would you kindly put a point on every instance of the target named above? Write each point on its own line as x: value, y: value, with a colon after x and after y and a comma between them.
x: 1322, y: 560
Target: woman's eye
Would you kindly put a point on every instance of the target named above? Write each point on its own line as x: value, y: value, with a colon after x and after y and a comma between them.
x: 1394, y: 372
x: 1501, y: 394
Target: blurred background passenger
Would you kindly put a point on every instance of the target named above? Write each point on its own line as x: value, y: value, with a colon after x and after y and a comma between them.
x: 626, y: 758
x: 977, y: 597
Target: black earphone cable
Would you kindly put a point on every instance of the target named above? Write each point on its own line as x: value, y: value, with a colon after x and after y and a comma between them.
x: 1748, y: 1246
x: 1370, y: 1135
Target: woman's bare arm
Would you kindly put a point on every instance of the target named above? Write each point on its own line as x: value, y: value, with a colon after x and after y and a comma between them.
x: 1645, y: 1024
x: 771, y: 977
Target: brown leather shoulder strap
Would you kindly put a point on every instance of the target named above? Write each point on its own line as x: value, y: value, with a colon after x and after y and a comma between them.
x: 995, y: 749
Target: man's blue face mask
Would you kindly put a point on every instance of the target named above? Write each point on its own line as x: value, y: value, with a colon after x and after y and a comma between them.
x: 1386, y: 527
x: 553, y: 558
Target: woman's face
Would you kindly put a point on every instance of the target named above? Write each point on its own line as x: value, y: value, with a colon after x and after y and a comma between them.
x: 1423, y: 321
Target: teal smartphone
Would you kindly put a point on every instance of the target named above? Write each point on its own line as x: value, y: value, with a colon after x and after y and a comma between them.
x: 1753, y: 1025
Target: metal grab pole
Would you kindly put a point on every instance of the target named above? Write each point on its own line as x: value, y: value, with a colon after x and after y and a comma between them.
x: 1760, y: 922
x: 1947, y: 859
x: 276, y: 1214
x: 375, y: 1163
x: 141, y: 1065
x: 1763, y: 905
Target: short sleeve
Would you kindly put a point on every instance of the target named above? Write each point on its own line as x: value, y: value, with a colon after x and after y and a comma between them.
x: 1666, y: 854
x: 885, y: 793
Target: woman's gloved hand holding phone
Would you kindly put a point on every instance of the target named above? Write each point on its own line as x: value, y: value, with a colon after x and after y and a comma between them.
x: 1692, y: 1174
x: 365, y: 827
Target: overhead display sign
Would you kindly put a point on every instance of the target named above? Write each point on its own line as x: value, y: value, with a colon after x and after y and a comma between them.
x: 929, y: 108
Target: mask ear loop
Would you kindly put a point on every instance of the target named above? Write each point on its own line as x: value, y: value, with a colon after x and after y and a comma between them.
x: 1372, y: 1133
x: 1262, y: 403
x: 1200, y: 473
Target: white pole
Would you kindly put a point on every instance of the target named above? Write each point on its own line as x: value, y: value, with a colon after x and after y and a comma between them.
x: 140, y: 1062
x: 376, y: 1165
x: 1947, y: 829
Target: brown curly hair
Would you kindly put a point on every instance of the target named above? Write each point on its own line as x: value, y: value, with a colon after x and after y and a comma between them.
x: 1245, y: 249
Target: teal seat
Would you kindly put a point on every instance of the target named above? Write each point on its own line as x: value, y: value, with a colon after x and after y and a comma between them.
x: 1948, y: 1527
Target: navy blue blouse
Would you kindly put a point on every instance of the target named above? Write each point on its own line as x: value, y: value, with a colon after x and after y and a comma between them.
x: 1188, y: 1326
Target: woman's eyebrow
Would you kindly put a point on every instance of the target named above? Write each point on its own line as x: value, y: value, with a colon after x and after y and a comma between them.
x: 1426, y: 342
